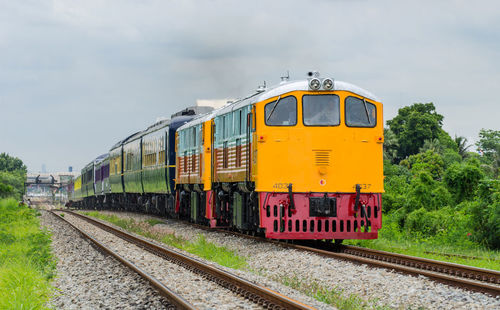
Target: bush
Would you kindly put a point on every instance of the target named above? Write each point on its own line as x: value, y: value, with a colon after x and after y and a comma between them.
x: 485, y: 214
x: 446, y: 222
x: 429, y: 161
x: 11, y: 184
x: 427, y: 193
x: 425, y: 222
x: 462, y: 179
x: 450, y: 157
x: 26, y: 263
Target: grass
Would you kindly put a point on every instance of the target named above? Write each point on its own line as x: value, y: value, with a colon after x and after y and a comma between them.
x: 153, y: 222
x: 26, y: 263
x: 436, y: 247
x: 200, y: 246
x: 330, y: 295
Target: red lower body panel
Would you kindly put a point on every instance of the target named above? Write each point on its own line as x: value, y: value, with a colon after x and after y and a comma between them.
x: 210, y: 209
x: 320, y: 216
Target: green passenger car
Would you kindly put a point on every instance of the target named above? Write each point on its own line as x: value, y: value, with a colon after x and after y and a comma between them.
x: 88, y: 180
x: 115, y: 169
x: 154, y: 158
x: 132, y: 165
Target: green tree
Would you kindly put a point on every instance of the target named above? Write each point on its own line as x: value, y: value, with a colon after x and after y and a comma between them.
x: 462, y: 146
x: 391, y: 145
x: 463, y: 178
x: 12, y: 184
x: 447, y: 141
x: 12, y: 176
x: 450, y: 156
x: 427, y: 193
x: 413, y: 125
x: 6, y: 190
x: 396, y: 186
x: 485, y: 213
x: 432, y: 145
x: 11, y: 164
x: 429, y: 161
x: 489, y: 146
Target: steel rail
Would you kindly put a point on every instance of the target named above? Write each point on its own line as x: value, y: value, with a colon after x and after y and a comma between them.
x: 414, y: 266
x: 177, y: 302
x: 468, y: 277
x: 258, y: 294
x: 464, y: 271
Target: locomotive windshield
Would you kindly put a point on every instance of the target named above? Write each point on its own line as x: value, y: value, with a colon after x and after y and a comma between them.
x: 282, y: 112
x: 360, y: 113
x: 321, y: 110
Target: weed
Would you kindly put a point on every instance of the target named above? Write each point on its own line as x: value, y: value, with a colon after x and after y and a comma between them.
x: 329, y: 295
x: 153, y: 222
x: 200, y: 246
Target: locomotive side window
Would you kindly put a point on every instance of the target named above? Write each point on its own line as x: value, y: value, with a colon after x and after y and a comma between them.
x: 282, y: 112
x: 321, y: 110
x: 360, y: 113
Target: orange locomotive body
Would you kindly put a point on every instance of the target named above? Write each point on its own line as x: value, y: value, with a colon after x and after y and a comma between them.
x: 302, y: 160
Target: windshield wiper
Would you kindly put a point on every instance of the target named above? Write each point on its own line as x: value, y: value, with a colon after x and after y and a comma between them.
x: 366, y: 110
x: 274, y: 107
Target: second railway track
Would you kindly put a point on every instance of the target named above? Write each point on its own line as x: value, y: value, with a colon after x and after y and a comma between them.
x: 261, y: 297
x: 467, y: 277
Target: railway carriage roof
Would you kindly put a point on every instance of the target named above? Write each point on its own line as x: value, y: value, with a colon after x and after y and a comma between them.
x: 198, y: 120
x: 122, y: 142
x: 101, y: 158
x: 156, y: 126
x: 96, y: 161
x: 274, y: 91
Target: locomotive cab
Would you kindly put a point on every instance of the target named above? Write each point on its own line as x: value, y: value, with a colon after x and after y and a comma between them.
x: 318, y: 161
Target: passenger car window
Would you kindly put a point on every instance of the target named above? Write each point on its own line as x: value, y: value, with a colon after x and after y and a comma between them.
x: 360, y: 113
x: 282, y: 112
x: 321, y: 110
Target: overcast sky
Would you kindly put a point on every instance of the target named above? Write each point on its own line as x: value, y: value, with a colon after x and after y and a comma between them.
x: 77, y: 76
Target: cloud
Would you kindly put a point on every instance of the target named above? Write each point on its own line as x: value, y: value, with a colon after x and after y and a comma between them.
x: 77, y: 76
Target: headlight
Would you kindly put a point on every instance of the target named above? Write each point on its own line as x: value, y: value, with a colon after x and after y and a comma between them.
x: 328, y: 84
x: 315, y: 84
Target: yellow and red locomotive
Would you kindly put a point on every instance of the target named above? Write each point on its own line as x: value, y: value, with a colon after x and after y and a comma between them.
x: 301, y: 160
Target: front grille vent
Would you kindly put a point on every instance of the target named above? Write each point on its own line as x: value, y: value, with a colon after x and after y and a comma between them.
x: 322, y: 157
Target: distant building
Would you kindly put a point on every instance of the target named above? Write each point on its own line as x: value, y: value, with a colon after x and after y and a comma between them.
x: 214, y: 103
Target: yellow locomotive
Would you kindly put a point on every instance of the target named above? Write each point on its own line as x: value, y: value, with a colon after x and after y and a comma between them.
x: 301, y: 160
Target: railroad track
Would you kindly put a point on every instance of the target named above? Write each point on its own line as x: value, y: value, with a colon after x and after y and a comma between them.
x: 176, y: 301
x: 258, y: 294
x: 467, y: 277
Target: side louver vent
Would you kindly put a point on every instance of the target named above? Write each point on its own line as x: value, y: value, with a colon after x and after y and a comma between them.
x: 322, y: 157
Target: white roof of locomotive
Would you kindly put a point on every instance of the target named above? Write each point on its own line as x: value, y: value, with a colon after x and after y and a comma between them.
x: 282, y: 88
x: 304, y: 85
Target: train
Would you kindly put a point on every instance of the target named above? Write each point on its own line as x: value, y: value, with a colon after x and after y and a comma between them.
x: 299, y: 160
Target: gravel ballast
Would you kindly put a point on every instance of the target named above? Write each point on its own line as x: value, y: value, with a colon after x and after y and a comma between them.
x: 381, y: 287
x: 198, y: 291
x: 89, y: 279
